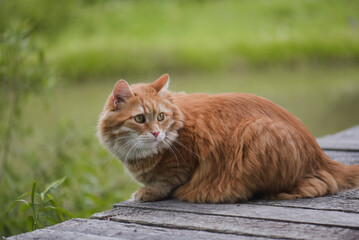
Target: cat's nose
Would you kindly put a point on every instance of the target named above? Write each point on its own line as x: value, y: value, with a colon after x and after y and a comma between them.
x: 155, y: 133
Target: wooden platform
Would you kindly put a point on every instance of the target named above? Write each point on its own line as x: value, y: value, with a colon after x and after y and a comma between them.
x: 330, y: 217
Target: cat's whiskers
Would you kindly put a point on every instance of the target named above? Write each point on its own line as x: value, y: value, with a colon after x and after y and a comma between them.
x: 135, y: 155
x: 119, y: 151
x: 182, y: 145
x: 178, y: 151
x: 134, y: 146
x: 172, y: 151
x: 127, y: 142
x: 124, y: 137
x: 123, y: 147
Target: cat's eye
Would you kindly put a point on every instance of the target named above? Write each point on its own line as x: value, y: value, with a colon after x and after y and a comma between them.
x: 160, y: 117
x: 140, y: 118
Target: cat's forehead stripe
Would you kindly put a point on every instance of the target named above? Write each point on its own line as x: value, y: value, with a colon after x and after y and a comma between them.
x: 138, y: 110
x: 149, y: 106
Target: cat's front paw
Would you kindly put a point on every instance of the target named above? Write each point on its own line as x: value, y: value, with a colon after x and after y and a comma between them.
x: 148, y: 194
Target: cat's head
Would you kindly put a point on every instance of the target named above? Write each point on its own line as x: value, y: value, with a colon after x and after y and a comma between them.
x: 140, y: 120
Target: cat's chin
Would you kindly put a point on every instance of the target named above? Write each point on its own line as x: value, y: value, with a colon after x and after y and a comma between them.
x: 146, y: 151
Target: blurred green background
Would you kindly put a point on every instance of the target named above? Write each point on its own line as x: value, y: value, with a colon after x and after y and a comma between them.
x: 60, y: 59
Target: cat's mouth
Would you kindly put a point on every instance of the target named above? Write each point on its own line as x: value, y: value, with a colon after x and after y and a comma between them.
x: 155, y: 142
x: 151, y: 143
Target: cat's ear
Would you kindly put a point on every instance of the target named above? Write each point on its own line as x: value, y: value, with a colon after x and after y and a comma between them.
x: 161, y: 84
x: 121, y: 92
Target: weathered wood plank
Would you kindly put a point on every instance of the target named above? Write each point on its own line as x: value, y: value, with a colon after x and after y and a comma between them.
x: 348, y: 158
x: 109, y: 230
x: 50, y: 234
x: 347, y: 201
x: 350, y: 194
x: 245, y: 210
x: 226, y: 224
x: 344, y: 140
x: 136, y: 231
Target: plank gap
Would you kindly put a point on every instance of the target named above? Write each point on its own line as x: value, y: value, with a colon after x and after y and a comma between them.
x: 236, y: 216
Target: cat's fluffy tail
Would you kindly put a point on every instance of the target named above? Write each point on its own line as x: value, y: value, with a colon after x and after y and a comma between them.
x: 347, y: 176
x: 350, y: 177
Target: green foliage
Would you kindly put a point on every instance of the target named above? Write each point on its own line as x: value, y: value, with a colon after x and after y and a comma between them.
x: 94, y: 180
x: 44, y: 16
x: 23, y: 73
x: 44, y: 208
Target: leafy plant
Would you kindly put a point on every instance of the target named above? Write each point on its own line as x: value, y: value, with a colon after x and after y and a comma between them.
x: 42, y: 206
x: 24, y: 73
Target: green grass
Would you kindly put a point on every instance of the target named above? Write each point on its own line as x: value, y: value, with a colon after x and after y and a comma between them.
x: 131, y: 38
x: 146, y: 36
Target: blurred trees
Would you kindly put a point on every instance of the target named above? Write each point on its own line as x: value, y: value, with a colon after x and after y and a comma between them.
x: 23, y: 73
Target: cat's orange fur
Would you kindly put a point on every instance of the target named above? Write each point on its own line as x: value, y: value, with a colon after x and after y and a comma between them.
x: 215, y: 148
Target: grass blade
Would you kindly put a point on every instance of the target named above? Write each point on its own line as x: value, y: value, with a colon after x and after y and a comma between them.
x: 36, y: 223
x: 14, y: 203
x: 53, y: 185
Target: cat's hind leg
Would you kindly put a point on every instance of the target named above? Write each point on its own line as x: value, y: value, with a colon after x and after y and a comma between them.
x: 319, y: 184
x: 264, y: 157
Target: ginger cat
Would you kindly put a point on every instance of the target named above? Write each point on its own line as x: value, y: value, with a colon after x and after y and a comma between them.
x: 220, y: 148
